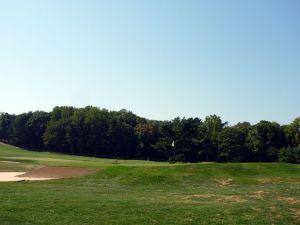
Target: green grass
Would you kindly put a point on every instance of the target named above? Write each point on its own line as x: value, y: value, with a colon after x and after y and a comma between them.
x: 143, y: 192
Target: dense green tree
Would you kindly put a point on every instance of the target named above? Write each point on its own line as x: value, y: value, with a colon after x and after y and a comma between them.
x: 97, y: 122
x: 265, y: 139
x: 184, y: 138
x: 21, y: 134
x: 232, y: 147
x: 35, y: 128
x: 77, y: 134
x: 147, y: 136
x: 56, y: 134
x: 6, y: 132
x: 211, y: 127
x: 289, y: 155
x: 121, y: 134
x: 165, y: 144
x: 292, y: 133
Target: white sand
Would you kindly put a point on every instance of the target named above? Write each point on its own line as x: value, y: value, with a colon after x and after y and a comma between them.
x: 13, y: 176
x: 8, y: 162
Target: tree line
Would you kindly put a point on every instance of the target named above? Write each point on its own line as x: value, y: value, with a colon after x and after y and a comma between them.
x: 92, y: 131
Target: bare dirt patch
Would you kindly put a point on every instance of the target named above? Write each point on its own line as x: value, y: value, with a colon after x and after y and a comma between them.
x: 57, y: 172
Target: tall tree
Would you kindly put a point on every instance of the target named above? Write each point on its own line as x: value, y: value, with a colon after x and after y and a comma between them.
x: 35, y: 128
x: 212, y: 126
x: 6, y: 131
x: 232, y: 145
x: 292, y: 133
x: 147, y: 135
x: 56, y: 134
x: 265, y: 139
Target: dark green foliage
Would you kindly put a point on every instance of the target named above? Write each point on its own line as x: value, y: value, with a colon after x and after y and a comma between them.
x: 232, y: 145
x: 25, y: 129
x: 147, y: 135
x: 35, y: 128
x: 188, y: 138
x: 265, y: 139
x: 289, y: 155
x: 98, y: 132
x: 56, y: 134
x: 292, y: 133
x: 6, y: 131
x: 211, y: 128
x: 176, y: 158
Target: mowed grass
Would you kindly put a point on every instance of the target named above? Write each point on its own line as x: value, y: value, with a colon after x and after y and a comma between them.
x: 142, y: 192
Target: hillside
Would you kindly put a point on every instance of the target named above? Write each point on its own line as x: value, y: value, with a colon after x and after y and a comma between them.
x: 144, y: 192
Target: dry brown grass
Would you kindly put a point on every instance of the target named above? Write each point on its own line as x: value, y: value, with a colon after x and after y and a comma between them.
x: 203, y: 195
x: 258, y: 194
x: 296, y: 213
x: 224, y: 182
x: 214, y: 198
x: 290, y: 200
x: 232, y: 198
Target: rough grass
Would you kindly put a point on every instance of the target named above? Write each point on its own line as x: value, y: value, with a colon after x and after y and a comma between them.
x: 142, y: 192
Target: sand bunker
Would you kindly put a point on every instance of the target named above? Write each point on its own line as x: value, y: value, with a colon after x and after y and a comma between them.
x: 11, y: 162
x: 14, y: 176
x: 45, y: 173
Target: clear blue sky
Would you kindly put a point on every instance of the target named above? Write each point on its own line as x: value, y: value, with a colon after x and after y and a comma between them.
x: 159, y: 59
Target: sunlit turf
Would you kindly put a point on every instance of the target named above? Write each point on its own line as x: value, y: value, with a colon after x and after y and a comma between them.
x: 11, y: 153
x: 142, y: 192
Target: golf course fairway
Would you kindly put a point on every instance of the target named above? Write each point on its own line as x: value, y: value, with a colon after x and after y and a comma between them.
x: 126, y: 192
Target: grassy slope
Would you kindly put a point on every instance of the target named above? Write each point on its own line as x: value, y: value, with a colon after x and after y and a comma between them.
x: 141, y: 192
